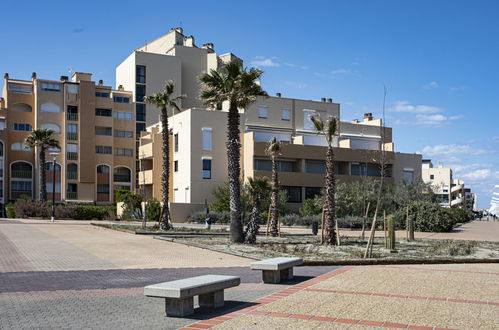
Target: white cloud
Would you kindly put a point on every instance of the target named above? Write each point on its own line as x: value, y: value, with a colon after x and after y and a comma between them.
x: 303, y: 67
x: 481, y: 174
x: 445, y: 150
x: 339, y: 71
x: 431, y: 85
x: 404, y: 106
x: 262, y: 61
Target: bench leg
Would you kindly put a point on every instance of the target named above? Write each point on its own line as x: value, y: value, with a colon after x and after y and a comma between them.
x: 287, y: 274
x: 271, y: 276
x: 212, y: 299
x: 179, y: 307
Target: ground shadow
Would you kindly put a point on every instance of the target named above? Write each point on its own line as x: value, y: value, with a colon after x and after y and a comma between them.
x: 204, y: 313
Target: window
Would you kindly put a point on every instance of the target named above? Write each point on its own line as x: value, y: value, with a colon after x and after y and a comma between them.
x: 408, y: 176
x: 72, y: 171
x: 140, y: 74
x: 282, y: 165
x: 101, y: 94
x: 121, y: 99
x: 362, y: 169
x: 139, y: 127
x: 105, y: 150
x: 293, y: 193
x: 102, y: 169
x: 206, y: 168
x: 312, y: 192
x: 72, y: 130
x: 50, y: 87
x: 2, y: 124
x: 262, y: 112
x: 263, y: 165
x: 140, y: 112
x: 207, y: 138
x: 286, y: 114
x: 54, y: 149
x: 307, y: 121
x: 315, y: 166
x: 103, y: 188
x: 72, y: 88
x: 22, y: 127
x: 50, y: 107
x: 22, y: 107
x: 19, y: 146
x: 432, y: 177
x: 103, y: 112
x: 53, y: 127
x: 175, y: 166
x: 122, y: 174
x: 445, y: 189
x: 71, y: 147
x: 140, y: 92
x: 101, y: 130
x: 123, y: 152
x: 175, y: 142
x: 21, y: 89
x: 118, y: 133
x: 123, y: 115
x: 21, y: 186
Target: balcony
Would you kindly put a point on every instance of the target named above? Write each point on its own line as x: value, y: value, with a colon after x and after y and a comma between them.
x: 72, y: 195
x: 145, y: 177
x: 72, y: 155
x: 457, y: 188
x: 72, y: 136
x: 145, y: 151
x: 456, y: 201
x: 19, y: 174
x: 72, y: 175
x: 72, y: 116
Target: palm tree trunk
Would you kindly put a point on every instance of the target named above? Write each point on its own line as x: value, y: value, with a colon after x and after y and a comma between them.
x: 43, y: 177
x: 234, y: 173
x: 274, y: 200
x: 253, y: 223
x: 165, y: 221
x: 330, y: 207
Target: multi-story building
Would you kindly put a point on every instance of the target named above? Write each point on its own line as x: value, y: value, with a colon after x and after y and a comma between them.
x: 449, y: 191
x: 95, y: 127
x: 199, y: 153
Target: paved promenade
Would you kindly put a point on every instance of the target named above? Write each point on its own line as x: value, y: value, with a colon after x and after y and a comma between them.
x: 70, y: 275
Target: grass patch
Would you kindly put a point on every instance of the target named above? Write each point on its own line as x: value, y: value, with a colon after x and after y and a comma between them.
x: 155, y: 229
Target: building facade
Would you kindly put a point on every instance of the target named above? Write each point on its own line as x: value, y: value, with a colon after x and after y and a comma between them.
x: 95, y: 127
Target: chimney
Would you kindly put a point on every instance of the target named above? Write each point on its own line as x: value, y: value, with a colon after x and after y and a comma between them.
x: 368, y: 116
x: 101, y: 82
x: 120, y: 87
x: 189, y: 41
x: 179, y: 30
x: 6, y: 75
x: 209, y: 46
x: 330, y: 100
x: 323, y: 99
x: 64, y: 78
x: 81, y: 76
x: 33, y: 76
x: 278, y: 94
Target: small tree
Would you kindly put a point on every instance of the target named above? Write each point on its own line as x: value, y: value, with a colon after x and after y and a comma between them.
x: 257, y: 189
x: 328, y: 129
x: 273, y: 150
x: 43, y: 139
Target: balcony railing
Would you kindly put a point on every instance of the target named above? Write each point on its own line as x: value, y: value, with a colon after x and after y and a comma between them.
x: 122, y: 178
x: 72, y: 116
x: 72, y: 136
x: 72, y: 175
x: 20, y: 174
x: 71, y: 195
x: 72, y: 155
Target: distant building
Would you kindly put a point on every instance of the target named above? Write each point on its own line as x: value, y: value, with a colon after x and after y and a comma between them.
x: 94, y: 125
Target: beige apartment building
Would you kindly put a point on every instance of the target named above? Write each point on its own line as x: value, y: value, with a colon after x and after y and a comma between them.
x: 449, y: 191
x: 95, y: 127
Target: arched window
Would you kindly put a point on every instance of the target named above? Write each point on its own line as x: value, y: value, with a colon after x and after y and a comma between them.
x: 122, y: 174
x: 103, y: 183
x: 21, y: 182
x: 50, y: 107
x: 21, y: 107
x: 103, y: 169
x: 53, y: 127
x: 19, y: 146
x: 72, y: 171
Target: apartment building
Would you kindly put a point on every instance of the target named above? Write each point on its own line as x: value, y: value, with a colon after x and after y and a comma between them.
x: 95, y: 127
x: 199, y: 154
x: 449, y: 191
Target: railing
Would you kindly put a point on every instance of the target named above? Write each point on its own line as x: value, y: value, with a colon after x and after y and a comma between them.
x: 20, y: 174
x: 456, y: 201
x: 72, y: 155
x: 72, y: 116
x: 72, y: 175
x: 456, y: 188
x: 122, y: 178
x: 71, y: 195
x: 72, y: 136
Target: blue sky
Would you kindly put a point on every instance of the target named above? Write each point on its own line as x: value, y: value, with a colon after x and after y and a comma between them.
x: 438, y: 59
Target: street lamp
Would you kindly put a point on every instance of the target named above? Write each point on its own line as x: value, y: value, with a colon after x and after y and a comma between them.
x: 54, y: 155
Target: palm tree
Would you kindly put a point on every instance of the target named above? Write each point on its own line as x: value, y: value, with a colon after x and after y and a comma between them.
x: 328, y: 129
x: 165, y: 100
x: 273, y: 150
x: 236, y: 85
x: 42, y: 139
x: 257, y: 190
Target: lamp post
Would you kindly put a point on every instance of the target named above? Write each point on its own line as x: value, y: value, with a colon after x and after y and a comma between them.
x: 54, y: 155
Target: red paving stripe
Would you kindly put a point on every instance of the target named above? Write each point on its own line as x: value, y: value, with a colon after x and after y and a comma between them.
x: 444, y: 270
x: 477, y: 302
x: 394, y: 325
x: 371, y: 323
x: 323, y: 318
x: 301, y: 316
x: 350, y: 321
x: 415, y: 327
x: 279, y: 314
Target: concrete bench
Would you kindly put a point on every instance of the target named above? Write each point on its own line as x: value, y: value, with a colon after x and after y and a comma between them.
x: 179, y: 295
x: 275, y: 270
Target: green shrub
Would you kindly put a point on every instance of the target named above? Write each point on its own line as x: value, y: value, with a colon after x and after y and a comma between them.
x: 427, y: 216
x: 121, y: 195
x: 296, y: 220
x: 153, y: 210
x: 25, y: 208
x: 459, y: 215
x: 451, y: 247
x: 10, y: 210
x: 89, y: 212
x: 310, y: 207
x: 216, y: 217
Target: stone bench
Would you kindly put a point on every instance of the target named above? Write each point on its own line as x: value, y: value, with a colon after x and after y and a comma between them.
x: 275, y: 270
x: 179, y: 295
